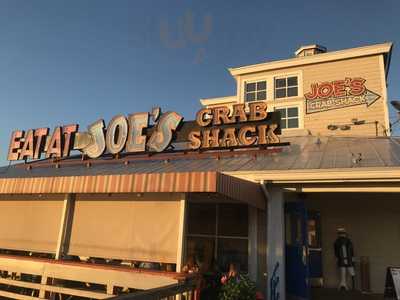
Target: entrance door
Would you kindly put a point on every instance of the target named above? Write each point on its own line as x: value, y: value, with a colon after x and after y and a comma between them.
x: 297, y: 271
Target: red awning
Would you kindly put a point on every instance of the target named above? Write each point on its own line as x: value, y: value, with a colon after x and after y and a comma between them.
x: 179, y: 182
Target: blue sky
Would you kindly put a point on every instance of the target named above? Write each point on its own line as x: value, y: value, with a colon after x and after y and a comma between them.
x: 76, y: 61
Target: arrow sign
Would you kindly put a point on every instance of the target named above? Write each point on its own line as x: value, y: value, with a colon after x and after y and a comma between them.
x: 371, y: 97
x: 320, y: 105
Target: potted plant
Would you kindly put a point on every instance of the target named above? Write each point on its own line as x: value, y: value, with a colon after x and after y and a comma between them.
x: 239, y: 287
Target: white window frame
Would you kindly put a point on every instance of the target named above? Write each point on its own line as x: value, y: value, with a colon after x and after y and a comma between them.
x: 300, y: 110
x: 267, y: 84
x: 270, y: 79
x: 241, y: 87
x: 299, y: 76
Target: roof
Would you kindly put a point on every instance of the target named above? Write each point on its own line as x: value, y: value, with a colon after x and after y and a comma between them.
x: 306, y: 152
x: 343, y: 160
x: 221, y: 100
x: 384, y: 48
x: 307, y: 158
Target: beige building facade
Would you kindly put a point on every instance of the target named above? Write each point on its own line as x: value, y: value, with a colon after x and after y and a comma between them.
x: 286, y: 85
x: 338, y: 100
x: 146, y: 221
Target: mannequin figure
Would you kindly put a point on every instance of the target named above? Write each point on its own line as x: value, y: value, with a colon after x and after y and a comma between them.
x: 344, y: 254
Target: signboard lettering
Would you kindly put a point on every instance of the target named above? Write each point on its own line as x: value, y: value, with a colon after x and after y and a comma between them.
x: 230, y: 136
x: 219, y: 127
x: 338, y: 94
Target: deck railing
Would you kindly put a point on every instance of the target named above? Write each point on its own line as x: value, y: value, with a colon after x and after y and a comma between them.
x: 30, y: 278
x: 183, y: 290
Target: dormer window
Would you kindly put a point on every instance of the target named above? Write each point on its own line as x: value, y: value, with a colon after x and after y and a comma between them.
x: 255, y: 91
x: 286, y: 87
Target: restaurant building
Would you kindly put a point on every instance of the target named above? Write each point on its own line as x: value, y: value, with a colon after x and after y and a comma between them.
x: 262, y: 179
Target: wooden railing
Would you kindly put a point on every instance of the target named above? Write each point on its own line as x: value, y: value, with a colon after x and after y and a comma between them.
x: 183, y: 290
x: 30, y: 278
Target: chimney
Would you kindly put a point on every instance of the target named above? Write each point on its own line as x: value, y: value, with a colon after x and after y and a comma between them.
x: 310, y: 50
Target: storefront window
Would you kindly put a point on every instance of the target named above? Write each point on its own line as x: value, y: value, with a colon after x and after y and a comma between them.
x: 232, y: 220
x: 217, y: 235
x: 205, y: 216
x: 232, y: 250
x: 202, y: 251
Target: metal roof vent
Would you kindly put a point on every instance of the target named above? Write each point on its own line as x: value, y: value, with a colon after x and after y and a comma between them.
x: 310, y: 50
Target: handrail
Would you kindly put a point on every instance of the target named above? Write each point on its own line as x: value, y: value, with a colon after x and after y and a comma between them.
x: 188, y: 287
x: 122, y: 268
x: 40, y: 277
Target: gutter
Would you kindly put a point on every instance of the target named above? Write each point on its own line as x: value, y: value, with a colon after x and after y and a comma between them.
x: 265, y: 191
x: 357, y: 174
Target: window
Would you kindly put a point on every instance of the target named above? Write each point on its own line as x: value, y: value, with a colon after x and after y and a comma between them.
x: 255, y: 91
x: 314, y: 230
x: 289, y: 117
x: 293, y: 229
x: 204, y: 214
x: 232, y: 220
x: 312, y: 233
x: 217, y: 233
x: 286, y: 87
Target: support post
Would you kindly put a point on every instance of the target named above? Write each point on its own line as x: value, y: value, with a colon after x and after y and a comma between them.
x: 253, y: 242
x: 276, y: 288
x: 65, y: 225
x: 181, y: 237
x: 42, y: 291
x: 110, y: 289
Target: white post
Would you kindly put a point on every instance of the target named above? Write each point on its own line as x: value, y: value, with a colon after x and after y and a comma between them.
x: 64, y: 231
x: 276, y: 242
x: 252, y: 247
x: 181, y: 237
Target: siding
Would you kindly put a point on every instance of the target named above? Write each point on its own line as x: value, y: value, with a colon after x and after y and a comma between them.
x: 316, y: 123
x: 367, y: 68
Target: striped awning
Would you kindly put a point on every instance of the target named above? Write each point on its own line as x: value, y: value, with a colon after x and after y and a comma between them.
x: 179, y: 182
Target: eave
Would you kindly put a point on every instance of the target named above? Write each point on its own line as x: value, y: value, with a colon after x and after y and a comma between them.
x: 384, y: 48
